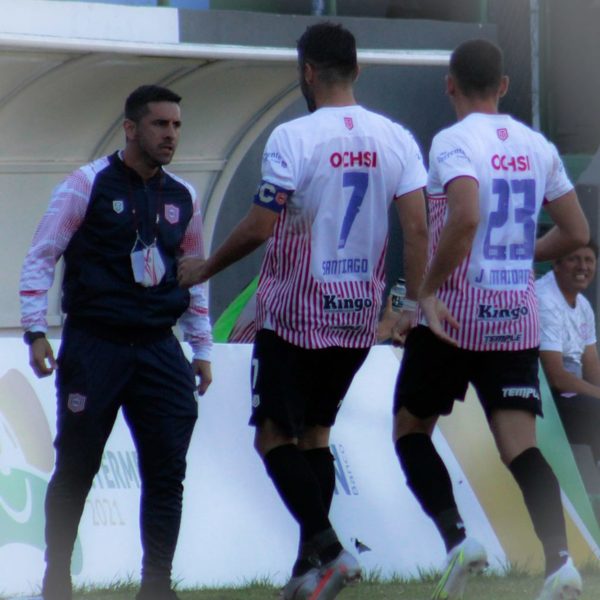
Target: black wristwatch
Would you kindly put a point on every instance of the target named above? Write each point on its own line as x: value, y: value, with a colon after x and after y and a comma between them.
x: 30, y: 336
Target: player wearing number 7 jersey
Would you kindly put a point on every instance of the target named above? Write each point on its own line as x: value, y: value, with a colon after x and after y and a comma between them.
x: 489, y: 175
x: 329, y: 179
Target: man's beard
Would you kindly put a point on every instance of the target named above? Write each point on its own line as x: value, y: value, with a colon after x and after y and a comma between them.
x: 309, y: 97
x: 310, y: 104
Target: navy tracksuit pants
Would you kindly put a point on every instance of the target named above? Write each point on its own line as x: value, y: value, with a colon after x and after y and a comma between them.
x: 154, y: 385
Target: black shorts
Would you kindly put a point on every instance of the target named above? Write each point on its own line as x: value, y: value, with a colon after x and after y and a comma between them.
x: 580, y: 416
x: 434, y: 374
x: 298, y: 387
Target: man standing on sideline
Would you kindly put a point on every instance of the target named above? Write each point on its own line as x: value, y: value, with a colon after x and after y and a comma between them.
x: 568, y: 349
x: 328, y: 180
x: 120, y: 223
x: 488, y: 178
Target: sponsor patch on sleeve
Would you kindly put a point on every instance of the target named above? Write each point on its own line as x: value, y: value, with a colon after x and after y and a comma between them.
x: 271, y: 196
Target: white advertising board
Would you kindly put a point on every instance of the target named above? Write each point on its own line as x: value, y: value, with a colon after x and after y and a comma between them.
x: 235, y: 528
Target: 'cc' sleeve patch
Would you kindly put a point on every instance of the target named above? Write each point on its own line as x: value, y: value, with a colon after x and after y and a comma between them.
x: 271, y: 196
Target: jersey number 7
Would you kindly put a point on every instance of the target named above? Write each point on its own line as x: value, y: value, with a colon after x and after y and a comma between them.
x: 359, y: 183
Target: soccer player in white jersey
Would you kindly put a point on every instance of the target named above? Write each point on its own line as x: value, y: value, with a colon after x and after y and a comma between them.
x: 488, y: 178
x: 329, y: 179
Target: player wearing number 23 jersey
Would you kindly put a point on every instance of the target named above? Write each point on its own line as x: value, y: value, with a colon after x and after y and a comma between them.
x: 517, y: 170
x: 333, y: 174
x: 489, y: 176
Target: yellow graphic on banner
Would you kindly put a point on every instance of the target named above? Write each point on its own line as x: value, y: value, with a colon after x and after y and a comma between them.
x: 26, y: 461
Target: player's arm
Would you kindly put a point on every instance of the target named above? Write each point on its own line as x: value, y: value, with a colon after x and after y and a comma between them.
x: 252, y: 231
x: 562, y: 380
x: 412, y: 214
x: 590, y: 362
x: 570, y: 232
x: 455, y: 244
x: 457, y: 234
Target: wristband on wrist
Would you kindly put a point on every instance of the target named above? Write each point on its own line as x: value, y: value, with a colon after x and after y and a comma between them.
x: 408, y: 305
x: 30, y: 336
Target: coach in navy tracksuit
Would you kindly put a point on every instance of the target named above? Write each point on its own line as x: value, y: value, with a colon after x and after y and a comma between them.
x: 121, y: 223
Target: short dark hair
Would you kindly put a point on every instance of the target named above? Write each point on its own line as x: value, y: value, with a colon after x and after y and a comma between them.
x: 330, y: 48
x: 136, y: 105
x: 593, y: 246
x: 478, y: 67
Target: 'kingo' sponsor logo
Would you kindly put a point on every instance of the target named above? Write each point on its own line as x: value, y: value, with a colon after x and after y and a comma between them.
x: 488, y: 312
x: 331, y: 303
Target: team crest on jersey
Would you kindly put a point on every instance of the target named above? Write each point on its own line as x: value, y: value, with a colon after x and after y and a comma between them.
x: 172, y: 213
x: 76, y: 402
x: 502, y: 134
x: 118, y: 206
x: 349, y: 123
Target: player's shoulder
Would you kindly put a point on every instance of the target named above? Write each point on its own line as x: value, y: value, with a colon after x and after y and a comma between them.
x: 454, y: 142
x: 525, y: 130
x: 93, y: 168
x: 174, y: 181
x: 84, y: 176
x: 295, y: 125
x: 457, y: 133
x: 385, y: 122
x: 291, y: 133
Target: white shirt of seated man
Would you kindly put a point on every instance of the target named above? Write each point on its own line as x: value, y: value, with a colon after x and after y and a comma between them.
x: 567, y: 322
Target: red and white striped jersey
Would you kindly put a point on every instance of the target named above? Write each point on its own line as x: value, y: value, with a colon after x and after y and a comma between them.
x: 492, y: 293
x: 322, y: 277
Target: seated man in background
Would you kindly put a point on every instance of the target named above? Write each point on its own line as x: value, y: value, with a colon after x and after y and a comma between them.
x: 568, y: 345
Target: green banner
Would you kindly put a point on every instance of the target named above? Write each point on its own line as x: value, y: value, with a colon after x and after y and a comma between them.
x: 553, y: 442
x: 225, y: 323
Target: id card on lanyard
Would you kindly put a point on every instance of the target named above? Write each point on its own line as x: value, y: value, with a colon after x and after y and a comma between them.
x: 147, y: 264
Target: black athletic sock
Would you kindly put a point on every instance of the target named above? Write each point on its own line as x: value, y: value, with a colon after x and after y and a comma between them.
x: 541, y: 493
x: 299, y: 489
x: 428, y: 478
x: 307, y: 559
x: 321, y: 462
x: 326, y: 545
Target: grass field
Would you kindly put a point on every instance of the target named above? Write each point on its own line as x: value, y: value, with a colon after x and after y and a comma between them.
x: 485, y: 587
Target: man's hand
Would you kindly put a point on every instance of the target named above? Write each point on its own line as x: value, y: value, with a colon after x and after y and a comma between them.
x: 437, y: 313
x: 203, y: 371
x: 395, y: 325
x: 400, y: 329
x: 41, y: 357
x: 190, y: 271
x: 386, y: 322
